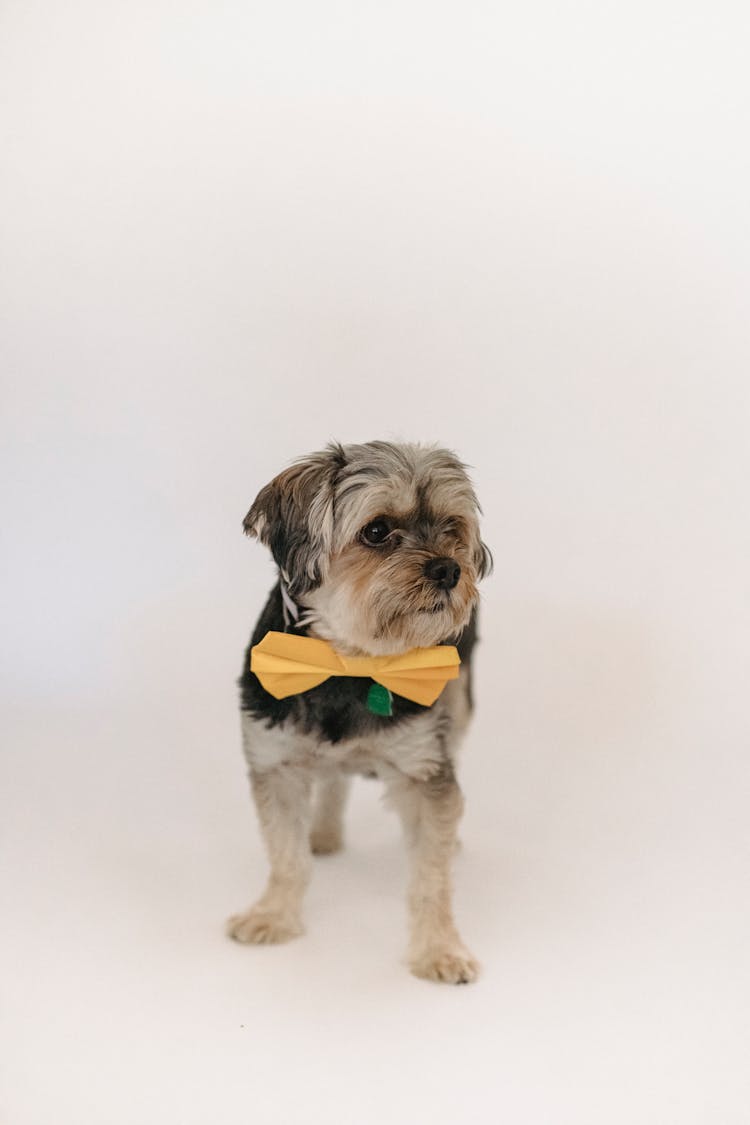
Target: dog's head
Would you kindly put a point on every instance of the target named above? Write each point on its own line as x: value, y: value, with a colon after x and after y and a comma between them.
x: 378, y: 542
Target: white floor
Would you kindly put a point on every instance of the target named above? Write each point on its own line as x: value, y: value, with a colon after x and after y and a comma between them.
x: 601, y: 883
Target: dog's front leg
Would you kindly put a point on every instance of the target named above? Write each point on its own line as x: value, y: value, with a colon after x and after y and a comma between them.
x: 430, y: 811
x: 282, y: 798
x: 326, y: 834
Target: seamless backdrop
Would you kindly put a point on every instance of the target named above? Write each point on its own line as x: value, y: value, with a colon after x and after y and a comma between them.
x: 231, y: 233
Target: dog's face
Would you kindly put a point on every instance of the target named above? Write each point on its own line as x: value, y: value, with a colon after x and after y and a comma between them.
x: 378, y: 542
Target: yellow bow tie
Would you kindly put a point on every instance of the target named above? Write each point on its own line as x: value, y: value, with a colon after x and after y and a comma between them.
x: 288, y: 665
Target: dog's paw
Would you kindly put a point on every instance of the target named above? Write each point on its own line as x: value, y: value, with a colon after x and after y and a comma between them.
x: 263, y: 927
x: 452, y: 964
x: 325, y: 841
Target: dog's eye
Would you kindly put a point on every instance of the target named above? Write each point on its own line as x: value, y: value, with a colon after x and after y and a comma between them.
x: 375, y: 533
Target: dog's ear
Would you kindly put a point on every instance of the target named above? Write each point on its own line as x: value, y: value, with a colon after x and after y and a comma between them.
x: 293, y: 516
x: 481, y: 555
x: 482, y: 559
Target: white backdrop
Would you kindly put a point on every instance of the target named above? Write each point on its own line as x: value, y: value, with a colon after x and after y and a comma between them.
x: 230, y: 233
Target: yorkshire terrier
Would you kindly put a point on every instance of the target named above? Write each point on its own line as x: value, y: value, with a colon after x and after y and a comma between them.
x: 379, y: 555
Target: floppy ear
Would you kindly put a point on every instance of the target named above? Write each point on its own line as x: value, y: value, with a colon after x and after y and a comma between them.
x: 483, y: 560
x: 481, y: 555
x: 293, y: 515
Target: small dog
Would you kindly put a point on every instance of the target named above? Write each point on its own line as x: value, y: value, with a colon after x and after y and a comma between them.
x: 379, y: 554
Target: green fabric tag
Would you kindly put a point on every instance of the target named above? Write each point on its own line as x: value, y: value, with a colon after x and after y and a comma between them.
x: 379, y: 700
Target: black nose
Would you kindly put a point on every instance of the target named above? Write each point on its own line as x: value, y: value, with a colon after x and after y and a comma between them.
x: 445, y: 573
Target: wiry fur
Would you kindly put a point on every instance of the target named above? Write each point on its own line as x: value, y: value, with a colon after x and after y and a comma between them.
x: 365, y: 600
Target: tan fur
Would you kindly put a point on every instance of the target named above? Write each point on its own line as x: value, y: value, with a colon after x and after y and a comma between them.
x: 380, y: 605
x: 282, y: 798
x: 327, y: 832
x: 430, y: 812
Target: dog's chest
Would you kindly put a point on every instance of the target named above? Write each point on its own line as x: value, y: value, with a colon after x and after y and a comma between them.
x: 414, y: 747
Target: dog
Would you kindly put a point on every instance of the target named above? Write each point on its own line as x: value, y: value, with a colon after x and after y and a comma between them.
x: 379, y: 554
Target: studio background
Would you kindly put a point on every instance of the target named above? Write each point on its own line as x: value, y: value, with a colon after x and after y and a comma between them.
x: 231, y: 233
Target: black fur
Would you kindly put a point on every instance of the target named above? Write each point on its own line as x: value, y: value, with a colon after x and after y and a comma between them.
x: 337, y: 708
